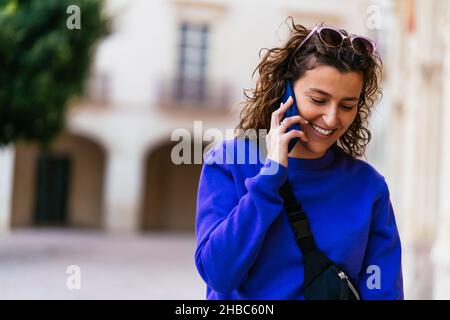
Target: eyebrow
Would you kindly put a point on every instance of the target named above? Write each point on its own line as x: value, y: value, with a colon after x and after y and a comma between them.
x: 329, y: 95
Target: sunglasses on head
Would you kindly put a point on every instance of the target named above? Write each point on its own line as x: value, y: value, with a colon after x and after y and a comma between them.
x: 332, y: 37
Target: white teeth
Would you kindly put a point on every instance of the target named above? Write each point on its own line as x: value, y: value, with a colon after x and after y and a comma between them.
x: 322, y: 131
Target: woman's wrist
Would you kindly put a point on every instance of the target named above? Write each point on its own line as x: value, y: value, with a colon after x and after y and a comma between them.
x: 273, y: 172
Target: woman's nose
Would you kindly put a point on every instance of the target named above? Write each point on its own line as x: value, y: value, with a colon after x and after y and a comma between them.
x: 330, y: 116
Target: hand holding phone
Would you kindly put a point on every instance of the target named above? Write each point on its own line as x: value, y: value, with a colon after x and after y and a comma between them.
x: 282, y: 137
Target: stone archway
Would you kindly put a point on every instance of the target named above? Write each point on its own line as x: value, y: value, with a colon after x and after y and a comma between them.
x: 70, y: 173
x: 170, y: 191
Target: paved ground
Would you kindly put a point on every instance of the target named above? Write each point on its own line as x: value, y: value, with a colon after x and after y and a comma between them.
x: 33, y: 265
x: 34, y: 262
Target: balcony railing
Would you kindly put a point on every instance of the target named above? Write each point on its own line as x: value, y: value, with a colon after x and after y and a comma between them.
x: 193, y: 94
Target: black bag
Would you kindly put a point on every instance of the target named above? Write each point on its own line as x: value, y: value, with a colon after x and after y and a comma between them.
x: 324, y: 280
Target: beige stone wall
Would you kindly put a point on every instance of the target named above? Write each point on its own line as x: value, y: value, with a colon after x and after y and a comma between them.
x: 85, y: 182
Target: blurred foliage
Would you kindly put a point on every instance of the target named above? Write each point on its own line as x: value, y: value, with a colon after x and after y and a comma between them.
x: 43, y: 64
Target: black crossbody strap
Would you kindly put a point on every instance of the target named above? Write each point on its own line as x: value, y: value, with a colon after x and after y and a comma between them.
x: 298, y: 219
x: 315, y: 261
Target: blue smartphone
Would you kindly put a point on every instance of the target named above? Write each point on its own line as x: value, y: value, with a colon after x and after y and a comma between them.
x: 292, y: 111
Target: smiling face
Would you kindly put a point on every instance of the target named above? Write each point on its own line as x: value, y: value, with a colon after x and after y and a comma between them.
x: 328, y: 99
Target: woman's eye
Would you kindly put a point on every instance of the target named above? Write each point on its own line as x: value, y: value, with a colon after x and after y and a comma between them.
x: 321, y: 102
x: 317, y: 101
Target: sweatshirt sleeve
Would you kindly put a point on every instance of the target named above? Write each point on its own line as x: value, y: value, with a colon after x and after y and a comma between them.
x: 382, y: 270
x: 230, y: 230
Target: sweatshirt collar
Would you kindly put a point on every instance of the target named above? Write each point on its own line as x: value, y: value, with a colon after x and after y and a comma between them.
x: 312, y: 164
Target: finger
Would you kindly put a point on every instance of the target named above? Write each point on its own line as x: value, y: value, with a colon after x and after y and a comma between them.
x: 286, y: 105
x: 278, y: 114
x: 275, y: 120
x: 295, y: 134
x: 287, y: 122
x: 303, y: 136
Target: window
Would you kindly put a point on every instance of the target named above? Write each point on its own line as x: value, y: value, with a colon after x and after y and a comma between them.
x: 191, y: 81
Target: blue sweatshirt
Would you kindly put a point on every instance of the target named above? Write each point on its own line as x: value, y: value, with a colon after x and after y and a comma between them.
x: 245, y: 245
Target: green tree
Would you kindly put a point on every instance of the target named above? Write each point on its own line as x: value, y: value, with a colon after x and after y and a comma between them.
x: 43, y: 63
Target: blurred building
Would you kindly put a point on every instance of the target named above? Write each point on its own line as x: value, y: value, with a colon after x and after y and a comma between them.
x: 417, y: 138
x: 169, y: 63
x: 165, y: 65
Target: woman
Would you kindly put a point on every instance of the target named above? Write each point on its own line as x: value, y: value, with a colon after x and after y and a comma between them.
x: 246, y: 248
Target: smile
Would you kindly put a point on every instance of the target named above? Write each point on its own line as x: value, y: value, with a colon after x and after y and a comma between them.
x: 321, y: 131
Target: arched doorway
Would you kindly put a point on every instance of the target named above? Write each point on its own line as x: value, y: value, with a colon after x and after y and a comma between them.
x: 60, y: 187
x: 170, y: 191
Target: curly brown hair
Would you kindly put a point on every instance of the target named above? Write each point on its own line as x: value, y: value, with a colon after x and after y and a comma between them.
x: 286, y: 63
